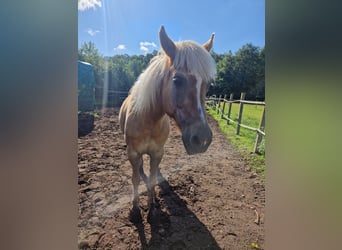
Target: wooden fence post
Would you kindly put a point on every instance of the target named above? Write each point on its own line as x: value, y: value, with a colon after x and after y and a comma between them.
x: 223, y: 106
x: 259, y: 135
x: 229, y: 107
x: 218, y: 104
x: 240, y: 113
x: 215, y: 102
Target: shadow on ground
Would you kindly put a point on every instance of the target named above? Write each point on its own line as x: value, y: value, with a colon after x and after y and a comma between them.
x: 177, y: 227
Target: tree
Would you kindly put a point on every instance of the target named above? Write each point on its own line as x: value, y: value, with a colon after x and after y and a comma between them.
x: 247, y: 66
x: 89, y: 53
x: 243, y: 71
x: 225, y: 74
x: 258, y: 91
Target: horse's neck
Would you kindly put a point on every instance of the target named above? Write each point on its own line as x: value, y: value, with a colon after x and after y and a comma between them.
x: 156, y: 112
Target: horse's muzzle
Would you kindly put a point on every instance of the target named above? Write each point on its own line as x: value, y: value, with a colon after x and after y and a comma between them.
x: 197, y: 138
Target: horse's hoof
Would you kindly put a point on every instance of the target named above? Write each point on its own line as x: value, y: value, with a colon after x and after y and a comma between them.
x: 135, y: 216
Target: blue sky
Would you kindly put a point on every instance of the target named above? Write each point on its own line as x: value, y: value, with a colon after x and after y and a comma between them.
x: 131, y: 26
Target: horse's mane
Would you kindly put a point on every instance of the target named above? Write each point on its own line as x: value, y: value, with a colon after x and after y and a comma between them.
x: 190, y: 57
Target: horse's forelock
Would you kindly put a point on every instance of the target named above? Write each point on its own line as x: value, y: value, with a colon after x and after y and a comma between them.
x: 190, y: 57
x: 195, y: 59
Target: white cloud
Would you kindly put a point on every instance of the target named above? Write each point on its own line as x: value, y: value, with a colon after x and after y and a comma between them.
x: 87, y: 4
x: 143, y: 48
x: 146, y: 46
x: 120, y: 47
x: 92, y: 32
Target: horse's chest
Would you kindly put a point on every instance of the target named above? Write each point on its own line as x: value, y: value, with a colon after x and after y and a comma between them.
x: 147, y: 146
x: 149, y: 142
x: 146, y: 137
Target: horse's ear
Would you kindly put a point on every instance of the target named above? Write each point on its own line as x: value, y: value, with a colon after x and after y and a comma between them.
x: 209, y: 44
x: 167, y: 44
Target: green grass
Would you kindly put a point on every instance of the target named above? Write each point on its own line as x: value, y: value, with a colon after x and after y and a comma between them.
x: 244, y: 142
x: 251, y: 113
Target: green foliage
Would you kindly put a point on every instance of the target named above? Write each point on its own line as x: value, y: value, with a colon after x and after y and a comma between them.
x: 242, y: 72
x: 116, y: 73
x: 262, y: 146
x: 236, y: 73
x: 89, y: 53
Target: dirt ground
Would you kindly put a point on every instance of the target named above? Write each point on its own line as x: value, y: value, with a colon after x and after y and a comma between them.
x: 210, y: 201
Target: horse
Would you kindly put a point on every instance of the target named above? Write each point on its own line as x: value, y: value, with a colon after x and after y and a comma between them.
x: 173, y: 85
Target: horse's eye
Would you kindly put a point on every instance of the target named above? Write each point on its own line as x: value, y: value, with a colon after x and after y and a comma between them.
x: 176, y: 80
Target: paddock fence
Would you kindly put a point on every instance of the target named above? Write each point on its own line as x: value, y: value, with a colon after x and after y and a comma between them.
x: 109, y: 98
x: 219, y: 104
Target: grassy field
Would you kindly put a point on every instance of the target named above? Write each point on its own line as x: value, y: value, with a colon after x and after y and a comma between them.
x: 246, y: 140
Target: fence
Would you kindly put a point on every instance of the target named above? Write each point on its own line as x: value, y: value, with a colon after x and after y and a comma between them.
x: 109, y: 98
x: 215, y: 103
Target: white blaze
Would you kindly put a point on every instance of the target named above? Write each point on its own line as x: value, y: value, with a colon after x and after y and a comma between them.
x: 199, y: 104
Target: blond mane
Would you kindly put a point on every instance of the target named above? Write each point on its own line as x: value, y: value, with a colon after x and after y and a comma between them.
x: 190, y: 58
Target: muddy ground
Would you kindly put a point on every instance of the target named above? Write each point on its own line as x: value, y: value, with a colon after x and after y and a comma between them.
x: 209, y: 201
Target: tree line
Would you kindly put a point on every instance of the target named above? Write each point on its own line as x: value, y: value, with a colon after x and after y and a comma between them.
x: 243, y: 71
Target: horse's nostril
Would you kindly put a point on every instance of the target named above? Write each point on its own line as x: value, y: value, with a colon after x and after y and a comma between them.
x: 195, y: 140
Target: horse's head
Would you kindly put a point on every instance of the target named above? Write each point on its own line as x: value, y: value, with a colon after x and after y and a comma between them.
x: 191, y: 67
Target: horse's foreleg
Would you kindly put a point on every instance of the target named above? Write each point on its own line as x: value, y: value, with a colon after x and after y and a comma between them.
x: 143, y: 175
x: 152, y: 181
x: 136, y: 162
x: 154, y: 164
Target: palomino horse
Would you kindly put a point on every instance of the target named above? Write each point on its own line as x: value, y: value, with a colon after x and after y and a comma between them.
x: 174, y: 85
